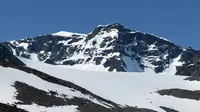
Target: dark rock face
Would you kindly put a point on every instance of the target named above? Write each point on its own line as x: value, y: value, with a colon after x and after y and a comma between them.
x: 151, y: 48
x: 28, y: 95
x: 193, y: 78
x: 191, y: 67
x: 7, y: 55
x: 195, y: 95
x: 168, y: 109
x: 109, y: 45
x: 113, y: 64
x: 9, y: 108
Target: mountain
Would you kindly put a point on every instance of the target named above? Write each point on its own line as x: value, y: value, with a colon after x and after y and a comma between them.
x: 110, y: 69
x: 109, y: 48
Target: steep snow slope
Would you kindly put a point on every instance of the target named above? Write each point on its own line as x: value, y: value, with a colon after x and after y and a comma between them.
x: 133, y: 89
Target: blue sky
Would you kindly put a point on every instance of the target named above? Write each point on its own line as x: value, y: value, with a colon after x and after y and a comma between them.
x: 176, y: 20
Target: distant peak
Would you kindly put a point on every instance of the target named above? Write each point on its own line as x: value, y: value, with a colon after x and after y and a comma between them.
x: 114, y: 25
x: 66, y: 34
x: 108, y: 27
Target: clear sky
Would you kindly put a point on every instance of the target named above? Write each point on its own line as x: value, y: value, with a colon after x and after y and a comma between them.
x: 176, y: 20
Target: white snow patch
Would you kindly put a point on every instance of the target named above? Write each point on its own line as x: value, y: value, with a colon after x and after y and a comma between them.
x: 66, y: 34
x: 36, y: 108
x: 88, y: 67
x: 34, y: 56
x: 24, y: 45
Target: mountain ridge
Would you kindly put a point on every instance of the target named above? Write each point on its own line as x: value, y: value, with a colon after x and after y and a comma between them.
x: 111, y: 47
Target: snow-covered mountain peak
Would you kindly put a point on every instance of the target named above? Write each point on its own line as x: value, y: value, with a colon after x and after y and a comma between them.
x: 111, y: 47
x: 109, y: 27
x: 67, y: 34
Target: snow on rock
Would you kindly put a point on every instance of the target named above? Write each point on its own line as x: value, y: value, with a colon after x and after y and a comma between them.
x: 172, y: 66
